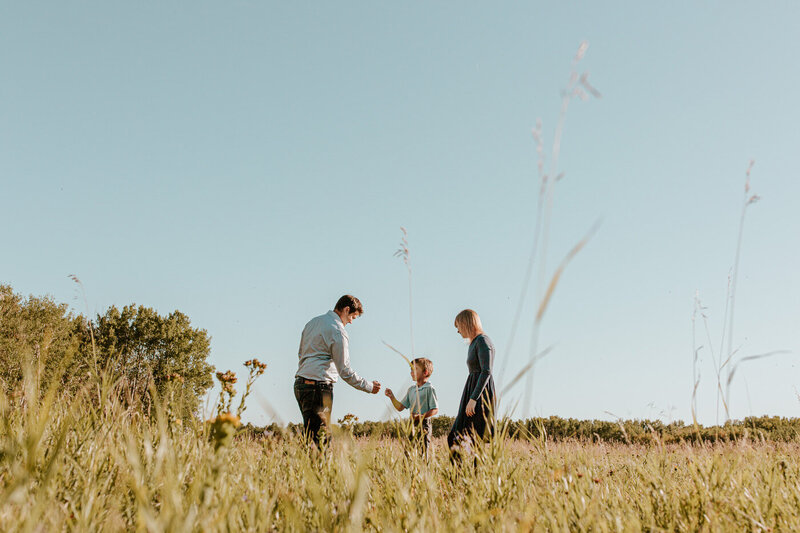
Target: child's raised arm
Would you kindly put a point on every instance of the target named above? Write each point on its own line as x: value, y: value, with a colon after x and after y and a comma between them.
x: 397, y: 405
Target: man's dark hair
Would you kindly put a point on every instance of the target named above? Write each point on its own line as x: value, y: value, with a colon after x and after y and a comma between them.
x: 349, y: 301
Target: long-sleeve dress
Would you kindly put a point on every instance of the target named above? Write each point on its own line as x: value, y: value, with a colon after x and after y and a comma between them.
x: 479, y: 387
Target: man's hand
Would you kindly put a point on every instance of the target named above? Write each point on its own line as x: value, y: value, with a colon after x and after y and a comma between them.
x: 389, y: 393
x: 470, y: 409
x: 376, y: 386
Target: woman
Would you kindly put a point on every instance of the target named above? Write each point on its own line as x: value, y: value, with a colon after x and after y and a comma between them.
x: 476, y: 411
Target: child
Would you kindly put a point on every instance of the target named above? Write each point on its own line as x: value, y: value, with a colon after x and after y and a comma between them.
x: 421, y: 400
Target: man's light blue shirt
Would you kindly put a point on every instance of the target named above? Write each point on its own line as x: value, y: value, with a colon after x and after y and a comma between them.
x: 420, y: 400
x: 324, y: 353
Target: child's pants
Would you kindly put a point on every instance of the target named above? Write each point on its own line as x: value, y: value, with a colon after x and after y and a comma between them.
x: 422, y: 435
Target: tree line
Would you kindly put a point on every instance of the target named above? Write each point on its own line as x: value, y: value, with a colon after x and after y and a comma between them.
x: 135, y: 348
x: 557, y: 429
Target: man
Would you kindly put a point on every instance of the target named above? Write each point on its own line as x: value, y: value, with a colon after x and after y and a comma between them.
x: 324, y: 356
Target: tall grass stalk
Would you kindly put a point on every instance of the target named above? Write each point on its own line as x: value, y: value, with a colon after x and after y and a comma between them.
x: 577, y: 86
x: 695, y: 351
x: 87, y: 322
x: 537, y: 136
x: 747, y: 200
x: 403, y: 252
x: 726, y: 359
x: 717, y: 363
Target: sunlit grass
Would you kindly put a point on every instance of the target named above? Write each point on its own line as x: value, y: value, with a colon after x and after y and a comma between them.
x: 87, y: 465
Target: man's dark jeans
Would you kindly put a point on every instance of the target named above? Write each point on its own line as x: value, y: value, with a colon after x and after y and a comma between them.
x: 315, y: 399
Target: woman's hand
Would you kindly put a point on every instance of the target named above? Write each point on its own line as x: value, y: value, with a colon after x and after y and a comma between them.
x: 470, y: 410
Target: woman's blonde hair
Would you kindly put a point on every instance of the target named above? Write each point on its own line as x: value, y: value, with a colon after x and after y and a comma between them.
x: 470, y: 322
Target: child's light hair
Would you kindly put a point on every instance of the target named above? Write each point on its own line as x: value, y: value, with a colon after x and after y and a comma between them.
x: 470, y: 322
x: 424, y: 364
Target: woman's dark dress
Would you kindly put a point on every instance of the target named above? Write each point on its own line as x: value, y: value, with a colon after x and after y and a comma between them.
x: 479, y: 387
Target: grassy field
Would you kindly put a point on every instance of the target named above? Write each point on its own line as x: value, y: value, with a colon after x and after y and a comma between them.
x: 85, y: 464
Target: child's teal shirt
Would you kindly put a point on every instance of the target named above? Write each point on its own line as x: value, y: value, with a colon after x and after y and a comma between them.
x: 420, y: 400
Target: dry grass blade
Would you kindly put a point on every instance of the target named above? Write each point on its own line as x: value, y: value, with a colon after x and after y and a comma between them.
x: 694, y: 391
x: 397, y: 352
x: 271, y: 411
x: 560, y: 270
x: 525, y: 369
x: 752, y: 358
x: 694, y: 404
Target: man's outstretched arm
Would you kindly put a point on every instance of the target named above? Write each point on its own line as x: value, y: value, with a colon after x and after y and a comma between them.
x: 341, y: 358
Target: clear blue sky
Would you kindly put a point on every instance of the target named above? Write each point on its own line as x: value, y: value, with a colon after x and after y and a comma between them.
x: 249, y: 162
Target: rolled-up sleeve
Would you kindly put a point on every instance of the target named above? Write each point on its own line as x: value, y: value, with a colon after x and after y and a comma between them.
x: 340, y: 353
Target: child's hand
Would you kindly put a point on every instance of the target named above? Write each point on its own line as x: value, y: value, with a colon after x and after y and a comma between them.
x: 389, y: 393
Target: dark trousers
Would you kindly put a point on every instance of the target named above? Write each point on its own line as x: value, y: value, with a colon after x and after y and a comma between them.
x: 315, y: 399
x: 422, y: 435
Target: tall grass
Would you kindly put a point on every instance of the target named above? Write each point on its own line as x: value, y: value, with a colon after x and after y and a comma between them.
x: 92, y: 464
x: 725, y: 360
x: 577, y: 86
